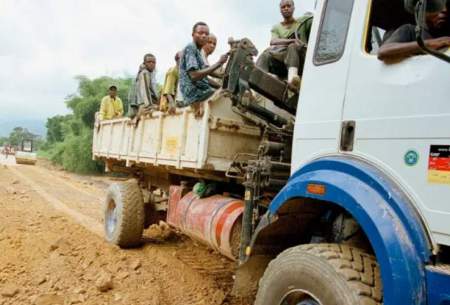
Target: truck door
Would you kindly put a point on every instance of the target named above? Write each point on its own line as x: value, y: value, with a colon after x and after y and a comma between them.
x: 402, y: 113
x: 324, y: 82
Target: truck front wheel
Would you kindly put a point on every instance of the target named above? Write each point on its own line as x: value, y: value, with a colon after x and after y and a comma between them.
x: 321, y: 274
x: 124, y: 214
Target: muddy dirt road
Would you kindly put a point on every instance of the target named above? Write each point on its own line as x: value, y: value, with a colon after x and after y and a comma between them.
x: 52, y: 250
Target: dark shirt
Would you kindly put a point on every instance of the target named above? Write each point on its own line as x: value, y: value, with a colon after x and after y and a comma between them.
x: 406, y: 33
x: 193, y: 91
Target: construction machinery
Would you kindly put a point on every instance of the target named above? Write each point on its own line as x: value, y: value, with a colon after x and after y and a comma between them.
x: 26, y: 154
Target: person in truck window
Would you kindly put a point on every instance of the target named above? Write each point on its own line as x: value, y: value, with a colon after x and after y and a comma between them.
x: 194, y: 72
x: 445, y: 31
x: 169, y: 89
x: 111, y: 106
x: 287, y: 51
x: 402, y: 43
x: 146, y: 92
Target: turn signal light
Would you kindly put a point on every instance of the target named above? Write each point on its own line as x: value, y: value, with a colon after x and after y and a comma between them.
x: 316, y: 189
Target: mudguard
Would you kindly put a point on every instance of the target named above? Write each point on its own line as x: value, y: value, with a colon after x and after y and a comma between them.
x: 387, y: 216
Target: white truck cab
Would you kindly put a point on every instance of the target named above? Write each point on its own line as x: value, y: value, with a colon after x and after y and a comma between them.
x: 372, y: 139
x: 400, y: 111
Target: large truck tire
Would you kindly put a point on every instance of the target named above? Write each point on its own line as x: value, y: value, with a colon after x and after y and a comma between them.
x: 124, y: 214
x: 321, y: 274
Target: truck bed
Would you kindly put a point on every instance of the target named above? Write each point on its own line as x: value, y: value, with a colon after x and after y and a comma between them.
x: 178, y: 140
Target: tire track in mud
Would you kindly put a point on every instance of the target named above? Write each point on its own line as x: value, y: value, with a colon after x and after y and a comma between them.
x: 215, y: 266
x: 78, y: 257
x: 177, y: 265
x: 209, y: 265
x: 65, y: 181
x: 88, y: 222
x: 64, y: 193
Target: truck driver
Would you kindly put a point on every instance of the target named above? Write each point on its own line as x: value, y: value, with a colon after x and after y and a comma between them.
x: 402, y: 43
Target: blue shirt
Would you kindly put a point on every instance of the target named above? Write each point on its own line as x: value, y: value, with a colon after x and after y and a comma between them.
x: 193, y: 91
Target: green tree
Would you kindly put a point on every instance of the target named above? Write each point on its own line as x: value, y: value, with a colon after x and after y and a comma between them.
x: 55, y: 125
x: 19, y: 134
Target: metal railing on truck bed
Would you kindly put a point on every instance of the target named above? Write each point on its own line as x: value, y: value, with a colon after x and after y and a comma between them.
x: 179, y: 140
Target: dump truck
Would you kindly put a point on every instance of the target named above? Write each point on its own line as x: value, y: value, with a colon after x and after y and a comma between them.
x: 338, y: 195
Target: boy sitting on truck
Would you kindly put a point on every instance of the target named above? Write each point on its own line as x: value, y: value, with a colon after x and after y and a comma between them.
x: 111, y: 106
x: 194, y: 72
x: 169, y: 89
x: 146, y: 93
x: 209, y: 48
x: 215, y: 79
x: 287, y: 49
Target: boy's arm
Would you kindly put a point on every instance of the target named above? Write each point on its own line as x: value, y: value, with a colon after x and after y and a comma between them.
x: 197, y: 75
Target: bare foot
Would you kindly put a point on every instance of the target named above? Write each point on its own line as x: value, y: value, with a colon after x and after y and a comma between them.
x: 172, y: 110
x: 294, y: 85
x: 199, y: 110
x: 134, y: 121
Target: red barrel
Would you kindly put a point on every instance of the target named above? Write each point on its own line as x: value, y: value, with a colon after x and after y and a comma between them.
x: 214, y: 221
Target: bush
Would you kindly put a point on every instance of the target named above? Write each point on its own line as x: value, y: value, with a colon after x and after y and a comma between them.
x: 75, y: 154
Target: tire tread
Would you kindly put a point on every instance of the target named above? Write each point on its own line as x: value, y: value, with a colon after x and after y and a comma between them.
x: 131, y: 227
x: 359, y: 269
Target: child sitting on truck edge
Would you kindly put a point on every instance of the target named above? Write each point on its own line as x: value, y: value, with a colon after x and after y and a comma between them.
x: 215, y: 79
x: 194, y: 72
x: 209, y: 48
x: 146, y: 92
x: 170, y: 87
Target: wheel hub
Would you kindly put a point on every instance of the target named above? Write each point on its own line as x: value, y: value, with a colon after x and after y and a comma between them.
x: 308, y: 302
x: 111, y: 218
x: 299, y: 297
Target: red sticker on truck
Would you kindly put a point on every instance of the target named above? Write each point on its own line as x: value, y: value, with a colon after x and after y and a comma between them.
x: 439, y: 164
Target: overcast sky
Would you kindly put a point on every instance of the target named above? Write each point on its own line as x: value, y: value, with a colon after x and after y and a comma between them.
x: 44, y: 44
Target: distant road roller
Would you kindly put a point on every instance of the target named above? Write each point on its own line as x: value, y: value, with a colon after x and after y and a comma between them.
x: 26, y: 155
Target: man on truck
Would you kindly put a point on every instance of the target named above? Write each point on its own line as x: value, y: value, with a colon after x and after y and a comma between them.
x: 111, y: 106
x: 287, y: 51
x: 194, y: 72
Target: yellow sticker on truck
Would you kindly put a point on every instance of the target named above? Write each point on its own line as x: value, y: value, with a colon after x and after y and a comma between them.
x: 439, y: 164
x: 171, y: 146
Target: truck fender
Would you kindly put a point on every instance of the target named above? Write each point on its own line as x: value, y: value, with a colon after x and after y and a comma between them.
x: 382, y: 209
